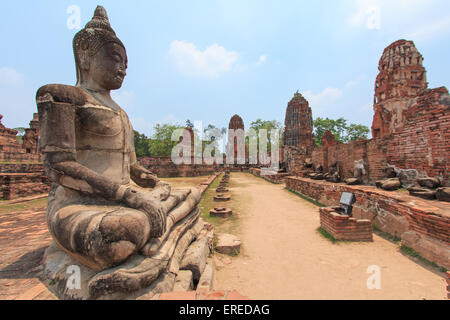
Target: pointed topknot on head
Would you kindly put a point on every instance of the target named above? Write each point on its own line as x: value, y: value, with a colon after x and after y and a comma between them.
x: 100, y: 12
x: 100, y: 20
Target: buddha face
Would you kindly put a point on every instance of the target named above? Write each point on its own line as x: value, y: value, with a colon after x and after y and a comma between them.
x: 107, y: 69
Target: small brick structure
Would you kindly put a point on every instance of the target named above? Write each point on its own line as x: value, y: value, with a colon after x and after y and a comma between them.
x: 276, y: 177
x: 423, y: 225
x: 343, y: 227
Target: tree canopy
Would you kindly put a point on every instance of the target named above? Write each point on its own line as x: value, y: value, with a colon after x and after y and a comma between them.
x: 342, y: 131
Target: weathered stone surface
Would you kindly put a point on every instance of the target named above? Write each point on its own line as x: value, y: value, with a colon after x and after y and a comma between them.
x: 137, y: 275
x: 360, y: 170
x: 228, y: 244
x: 352, y: 181
x: 184, y: 281
x: 188, y: 237
x: 110, y: 214
x: 431, y: 183
x: 423, y: 193
x: 59, y: 267
x: 206, y: 281
x: 222, y: 197
x: 429, y: 248
x: 195, y: 257
x: 221, y: 212
x: 391, y: 223
x: 443, y: 194
x: 407, y: 177
x: 389, y: 184
x: 401, y: 77
x: 316, y: 176
x: 308, y: 163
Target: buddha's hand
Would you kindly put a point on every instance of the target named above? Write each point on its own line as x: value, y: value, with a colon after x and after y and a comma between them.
x: 143, y: 177
x: 144, y: 202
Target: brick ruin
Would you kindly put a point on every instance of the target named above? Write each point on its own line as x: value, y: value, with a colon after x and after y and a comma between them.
x: 401, y: 78
x: 164, y: 166
x: 236, y: 123
x: 298, y: 123
x: 411, y: 127
x: 14, y: 150
x: 410, y: 144
x: 21, y: 169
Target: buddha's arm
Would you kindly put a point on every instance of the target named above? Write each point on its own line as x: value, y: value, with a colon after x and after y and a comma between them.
x: 57, y: 142
x: 140, y: 175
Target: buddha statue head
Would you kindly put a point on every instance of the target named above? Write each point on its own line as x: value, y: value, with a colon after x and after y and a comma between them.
x: 100, y: 57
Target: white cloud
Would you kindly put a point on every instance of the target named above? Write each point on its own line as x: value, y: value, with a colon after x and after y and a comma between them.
x: 262, y: 59
x: 211, y: 62
x: 399, y: 16
x: 324, y: 99
x: 10, y: 77
x: 368, y: 15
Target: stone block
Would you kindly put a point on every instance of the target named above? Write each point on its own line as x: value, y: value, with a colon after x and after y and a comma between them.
x: 228, y: 244
x: 195, y: 257
x: 184, y: 281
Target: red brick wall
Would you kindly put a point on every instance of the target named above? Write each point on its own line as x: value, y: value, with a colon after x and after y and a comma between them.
x: 419, y: 216
x: 18, y: 185
x: 343, y: 227
x: 424, y: 141
x: 421, y: 143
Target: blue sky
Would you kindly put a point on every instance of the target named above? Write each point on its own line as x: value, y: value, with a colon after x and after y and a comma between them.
x: 208, y: 60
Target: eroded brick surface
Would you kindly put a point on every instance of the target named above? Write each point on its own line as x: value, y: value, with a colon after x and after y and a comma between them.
x: 23, y: 239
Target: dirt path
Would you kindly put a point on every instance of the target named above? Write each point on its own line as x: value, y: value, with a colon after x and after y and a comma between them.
x: 284, y: 257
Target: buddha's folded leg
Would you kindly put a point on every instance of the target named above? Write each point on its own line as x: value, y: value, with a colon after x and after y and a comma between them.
x: 99, y: 236
x: 186, y: 200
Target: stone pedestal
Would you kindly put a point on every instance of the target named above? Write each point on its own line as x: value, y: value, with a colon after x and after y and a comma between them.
x: 222, y: 197
x: 139, y: 277
x: 221, y: 212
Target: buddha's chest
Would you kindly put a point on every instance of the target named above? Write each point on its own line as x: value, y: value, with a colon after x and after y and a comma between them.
x: 101, y: 128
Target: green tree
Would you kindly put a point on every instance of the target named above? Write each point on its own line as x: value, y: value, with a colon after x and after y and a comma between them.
x: 356, y: 132
x: 161, y: 144
x: 340, y: 129
x: 189, y: 123
x: 20, y: 133
x: 141, y: 144
x: 268, y: 125
x: 213, y: 137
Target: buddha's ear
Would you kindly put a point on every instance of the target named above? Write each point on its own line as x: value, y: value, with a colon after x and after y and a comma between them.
x: 83, y: 56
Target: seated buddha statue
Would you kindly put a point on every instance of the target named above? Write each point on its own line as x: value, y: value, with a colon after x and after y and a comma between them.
x: 103, y: 206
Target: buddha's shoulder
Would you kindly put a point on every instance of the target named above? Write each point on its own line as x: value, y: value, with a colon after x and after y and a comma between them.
x: 63, y: 93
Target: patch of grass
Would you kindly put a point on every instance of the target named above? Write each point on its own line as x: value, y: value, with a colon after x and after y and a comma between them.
x: 235, y: 253
x: 306, y: 198
x: 414, y: 254
x: 386, y: 235
x: 324, y: 233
